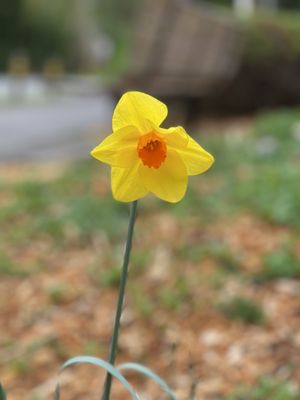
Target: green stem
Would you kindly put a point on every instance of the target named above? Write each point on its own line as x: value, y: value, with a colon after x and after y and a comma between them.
x: 114, y: 340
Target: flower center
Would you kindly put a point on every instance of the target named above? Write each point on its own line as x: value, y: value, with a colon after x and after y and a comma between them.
x: 152, y: 150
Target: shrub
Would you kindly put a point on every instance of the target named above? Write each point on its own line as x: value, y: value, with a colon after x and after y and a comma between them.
x: 244, y: 309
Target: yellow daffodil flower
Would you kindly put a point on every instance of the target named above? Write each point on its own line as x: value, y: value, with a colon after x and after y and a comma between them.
x: 145, y: 157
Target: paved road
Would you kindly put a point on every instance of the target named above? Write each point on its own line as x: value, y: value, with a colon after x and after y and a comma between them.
x: 63, y: 129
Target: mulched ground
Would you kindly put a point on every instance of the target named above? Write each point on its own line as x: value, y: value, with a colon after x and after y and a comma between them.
x: 61, y: 311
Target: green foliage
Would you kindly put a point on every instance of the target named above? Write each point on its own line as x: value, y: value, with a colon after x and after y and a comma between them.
x: 9, y: 267
x: 57, y: 293
x: 190, y: 252
x: 174, y: 297
x: 27, y: 26
x: 169, y: 299
x: 34, y: 196
x: 214, y: 249
x: 217, y: 279
x: 116, y: 18
x: 90, y: 214
x: 100, y: 363
x: 244, y: 309
x: 6, y: 265
x: 277, y: 124
x: 114, y: 15
x: 142, y: 301
x: 271, y: 186
x: 280, y: 264
x: 107, y: 272
x: 204, y: 208
x: 266, y: 389
x: 222, y: 3
x: 258, y: 172
x: 62, y: 209
x: 138, y: 262
x: 21, y: 366
x: 48, y: 225
x: 110, y: 277
x: 271, y: 36
x: 2, y: 393
x: 91, y: 347
x: 292, y: 4
x: 274, y: 192
x: 192, y: 202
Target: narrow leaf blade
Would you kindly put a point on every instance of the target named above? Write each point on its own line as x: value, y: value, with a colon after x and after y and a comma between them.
x: 104, y: 365
x: 151, y: 375
x: 2, y: 393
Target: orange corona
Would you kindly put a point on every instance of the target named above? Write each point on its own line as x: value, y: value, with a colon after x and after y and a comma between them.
x: 152, y: 150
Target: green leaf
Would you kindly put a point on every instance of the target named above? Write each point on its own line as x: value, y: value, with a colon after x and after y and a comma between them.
x: 149, y: 374
x: 2, y: 393
x: 102, y: 364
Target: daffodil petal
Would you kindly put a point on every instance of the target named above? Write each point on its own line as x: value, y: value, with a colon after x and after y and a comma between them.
x: 175, y: 137
x: 196, y: 159
x: 169, y: 181
x: 136, y: 108
x: 119, y: 148
x: 126, y: 183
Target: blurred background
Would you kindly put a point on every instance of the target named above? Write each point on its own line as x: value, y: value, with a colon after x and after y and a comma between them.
x: 213, y: 301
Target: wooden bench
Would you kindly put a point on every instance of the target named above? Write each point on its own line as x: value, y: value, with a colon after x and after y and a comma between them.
x: 182, y: 49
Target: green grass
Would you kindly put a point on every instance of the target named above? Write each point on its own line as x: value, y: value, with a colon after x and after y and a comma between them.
x: 173, y: 299
x: 213, y: 249
x: 143, y: 303
x: 91, y: 214
x: 21, y: 366
x: 272, y: 35
x: 258, y: 172
x: 32, y: 197
x: 266, y: 389
x: 62, y: 210
x: 274, y: 193
x: 244, y: 309
x: 278, y: 124
x: 107, y: 271
x: 9, y: 268
x: 280, y: 264
x: 91, y: 348
x: 57, y: 293
x: 111, y: 277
